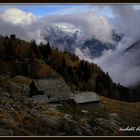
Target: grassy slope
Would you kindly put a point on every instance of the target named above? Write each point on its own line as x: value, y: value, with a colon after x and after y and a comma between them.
x: 128, y: 113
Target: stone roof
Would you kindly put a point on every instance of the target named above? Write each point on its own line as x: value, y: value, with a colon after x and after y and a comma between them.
x: 86, y: 97
x: 55, y: 89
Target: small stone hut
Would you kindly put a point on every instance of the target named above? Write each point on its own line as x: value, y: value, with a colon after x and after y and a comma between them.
x: 54, y: 90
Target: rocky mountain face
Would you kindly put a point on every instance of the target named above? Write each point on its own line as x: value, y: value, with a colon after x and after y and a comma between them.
x: 133, y: 47
x: 70, y: 37
x: 132, y: 55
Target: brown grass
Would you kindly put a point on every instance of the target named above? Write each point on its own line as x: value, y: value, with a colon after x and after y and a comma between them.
x: 128, y: 112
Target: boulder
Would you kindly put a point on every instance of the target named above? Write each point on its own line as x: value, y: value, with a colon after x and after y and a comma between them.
x: 6, y: 132
x: 114, y: 115
x: 19, y: 88
x: 85, y: 111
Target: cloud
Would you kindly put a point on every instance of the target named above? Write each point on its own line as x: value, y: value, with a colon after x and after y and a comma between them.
x: 128, y: 18
x: 83, y: 54
x: 91, y: 24
x: 25, y: 25
x: 124, y: 67
x: 17, y: 16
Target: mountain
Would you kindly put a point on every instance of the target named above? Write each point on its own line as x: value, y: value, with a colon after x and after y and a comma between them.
x: 133, y: 47
x: 70, y: 37
x: 18, y: 57
x: 133, y: 51
x: 23, y: 62
x: 62, y: 36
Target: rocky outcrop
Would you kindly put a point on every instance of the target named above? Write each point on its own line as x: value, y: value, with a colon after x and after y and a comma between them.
x: 21, y: 115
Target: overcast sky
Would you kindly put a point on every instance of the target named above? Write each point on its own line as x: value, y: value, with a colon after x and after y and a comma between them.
x: 22, y: 16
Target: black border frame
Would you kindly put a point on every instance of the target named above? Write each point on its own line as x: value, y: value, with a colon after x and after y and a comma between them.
x: 69, y: 2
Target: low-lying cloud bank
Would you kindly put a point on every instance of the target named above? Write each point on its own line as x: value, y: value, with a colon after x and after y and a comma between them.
x: 122, y: 67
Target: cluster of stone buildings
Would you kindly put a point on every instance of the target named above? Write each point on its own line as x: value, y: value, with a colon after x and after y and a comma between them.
x: 56, y: 90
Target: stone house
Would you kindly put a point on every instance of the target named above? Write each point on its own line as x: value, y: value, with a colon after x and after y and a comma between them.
x: 56, y: 90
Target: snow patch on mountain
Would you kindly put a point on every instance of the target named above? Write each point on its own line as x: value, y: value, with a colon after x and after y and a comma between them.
x: 65, y: 35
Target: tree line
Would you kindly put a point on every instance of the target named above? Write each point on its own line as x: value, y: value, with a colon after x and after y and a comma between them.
x: 78, y: 74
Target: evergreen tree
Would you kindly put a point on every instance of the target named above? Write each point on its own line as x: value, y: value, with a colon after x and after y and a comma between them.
x: 46, y: 51
x: 35, y: 49
x: 8, y: 53
x: 12, y: 36
x: 84, y: 72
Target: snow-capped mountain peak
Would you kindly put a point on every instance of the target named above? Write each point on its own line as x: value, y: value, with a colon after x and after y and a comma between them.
x: 65, y: 27
x: 69, y: 36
